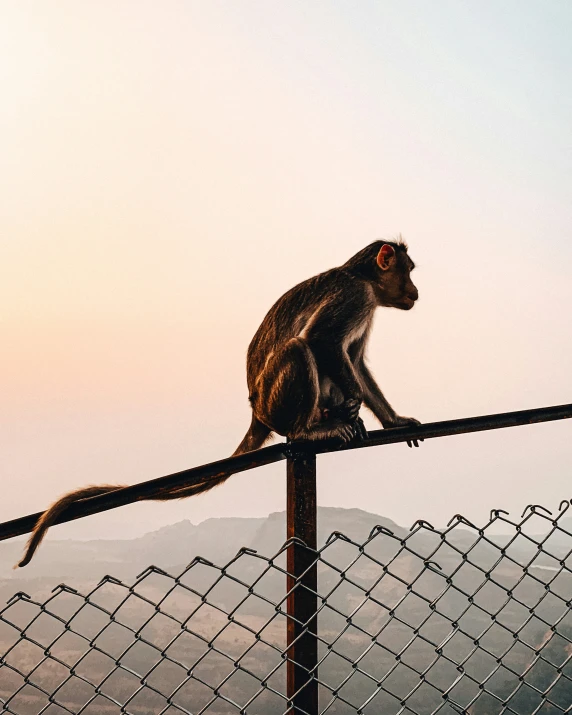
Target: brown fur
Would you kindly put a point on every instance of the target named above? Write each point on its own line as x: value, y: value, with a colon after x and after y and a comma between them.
x: 306, y: 370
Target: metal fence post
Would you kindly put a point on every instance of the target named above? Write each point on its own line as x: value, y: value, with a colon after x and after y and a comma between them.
x: 302, y: 583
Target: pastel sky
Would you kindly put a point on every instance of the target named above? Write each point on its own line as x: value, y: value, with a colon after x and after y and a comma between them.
x: 169, y: 169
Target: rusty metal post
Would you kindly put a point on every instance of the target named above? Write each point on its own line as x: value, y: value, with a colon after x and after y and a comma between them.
x: 302, y: 584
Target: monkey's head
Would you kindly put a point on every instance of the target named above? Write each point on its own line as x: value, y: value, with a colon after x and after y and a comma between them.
x: 394, y: 286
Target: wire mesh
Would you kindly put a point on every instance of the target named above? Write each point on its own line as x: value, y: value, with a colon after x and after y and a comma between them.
x: 463, y: 619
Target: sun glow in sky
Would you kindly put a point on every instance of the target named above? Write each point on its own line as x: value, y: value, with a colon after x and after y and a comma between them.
x: 169, y: 169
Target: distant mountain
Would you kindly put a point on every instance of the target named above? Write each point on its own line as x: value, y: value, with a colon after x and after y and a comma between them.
x: 218, y: 540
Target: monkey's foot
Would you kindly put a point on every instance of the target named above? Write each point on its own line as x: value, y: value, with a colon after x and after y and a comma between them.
x: 332, y: 429
x: 346, y: 432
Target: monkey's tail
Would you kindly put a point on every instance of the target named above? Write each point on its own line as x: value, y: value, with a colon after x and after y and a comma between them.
x: 51, y: 514
x: 255, y: 437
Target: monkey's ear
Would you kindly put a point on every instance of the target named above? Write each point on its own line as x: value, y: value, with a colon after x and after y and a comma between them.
x: 386, y: 257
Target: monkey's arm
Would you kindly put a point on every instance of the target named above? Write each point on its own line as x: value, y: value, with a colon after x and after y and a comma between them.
x: 374, y: 398
x: 333, y: 361
x: 340, y: 369
x: 328, y: 335
x: 376, y: 401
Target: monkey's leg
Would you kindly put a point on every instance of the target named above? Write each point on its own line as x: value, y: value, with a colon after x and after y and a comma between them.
x: 287, y: 393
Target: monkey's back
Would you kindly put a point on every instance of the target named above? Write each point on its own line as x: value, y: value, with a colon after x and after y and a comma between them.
x: 289, y: 314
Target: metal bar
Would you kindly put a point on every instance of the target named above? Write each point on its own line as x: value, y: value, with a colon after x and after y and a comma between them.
x: 267, y: 455
x: 150, y: 489
x: 302, y: 585
x: 447, y: 428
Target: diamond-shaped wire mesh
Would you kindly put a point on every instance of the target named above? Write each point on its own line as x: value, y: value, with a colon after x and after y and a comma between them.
x: 458, y: 620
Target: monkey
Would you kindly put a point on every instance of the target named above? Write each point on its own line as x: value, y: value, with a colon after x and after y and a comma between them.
x: 306, y: 370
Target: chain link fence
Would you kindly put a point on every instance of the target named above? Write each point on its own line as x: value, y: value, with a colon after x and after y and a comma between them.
x: 456, y: 620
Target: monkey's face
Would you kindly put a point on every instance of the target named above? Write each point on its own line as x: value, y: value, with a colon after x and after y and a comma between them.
x: 395, y: 287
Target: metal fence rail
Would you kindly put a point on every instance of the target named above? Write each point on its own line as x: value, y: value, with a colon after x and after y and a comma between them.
x: 278, y: 452
x: 429, y: 621
x: 451, y: 621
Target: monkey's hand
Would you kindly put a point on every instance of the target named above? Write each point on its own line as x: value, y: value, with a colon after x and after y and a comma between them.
x: 348, y: 411
x: 359, y: 429
x: 399, y: 421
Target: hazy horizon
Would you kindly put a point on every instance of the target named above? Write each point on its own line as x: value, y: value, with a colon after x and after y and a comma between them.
x: 170, y: 170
